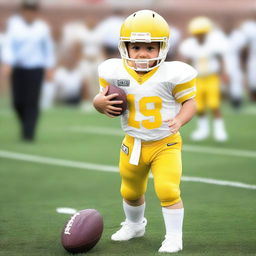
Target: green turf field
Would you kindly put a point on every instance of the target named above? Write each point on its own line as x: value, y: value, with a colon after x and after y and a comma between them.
x: 219, y: 220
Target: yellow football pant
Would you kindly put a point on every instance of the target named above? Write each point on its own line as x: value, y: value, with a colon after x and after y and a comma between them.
x: 208, y: 92
x: 163, y: 157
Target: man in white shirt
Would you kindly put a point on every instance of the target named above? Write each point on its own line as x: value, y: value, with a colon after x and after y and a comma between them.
x: 28, y: 57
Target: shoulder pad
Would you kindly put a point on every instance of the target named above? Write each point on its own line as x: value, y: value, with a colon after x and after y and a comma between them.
x: 180, y: 72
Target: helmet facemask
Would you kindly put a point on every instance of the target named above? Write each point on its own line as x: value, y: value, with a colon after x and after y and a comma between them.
x: 143, y: 65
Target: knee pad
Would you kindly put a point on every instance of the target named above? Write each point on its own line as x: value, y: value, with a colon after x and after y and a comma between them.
x: 130, y: 194
x: 168, y: 193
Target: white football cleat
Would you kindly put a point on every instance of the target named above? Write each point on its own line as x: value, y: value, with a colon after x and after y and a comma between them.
x: 220, y: 135
x: 219, y: 131
x: 202, y: 131
x: 130, y: 230
x: 171, y: 244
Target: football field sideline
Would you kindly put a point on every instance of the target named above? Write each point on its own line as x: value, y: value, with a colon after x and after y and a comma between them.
x: 108, y: 168
x: 186, y: 147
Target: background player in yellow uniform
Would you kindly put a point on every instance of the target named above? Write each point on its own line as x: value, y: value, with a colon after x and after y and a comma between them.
x: 205, y: 50
x: 160, y: 100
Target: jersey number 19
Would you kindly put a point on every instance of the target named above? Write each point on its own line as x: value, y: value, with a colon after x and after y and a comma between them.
x: 155, y: 112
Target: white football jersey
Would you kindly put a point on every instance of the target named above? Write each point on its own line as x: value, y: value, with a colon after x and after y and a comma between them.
x: 152, y: 98
x: 204, y: 56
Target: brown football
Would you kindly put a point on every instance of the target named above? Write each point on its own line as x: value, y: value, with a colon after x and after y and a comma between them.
x: 121, y: 96
x: 82, y: 231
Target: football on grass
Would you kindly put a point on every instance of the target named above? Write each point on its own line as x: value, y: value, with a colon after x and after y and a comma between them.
x: 82, y: 231
x: 121, y: 96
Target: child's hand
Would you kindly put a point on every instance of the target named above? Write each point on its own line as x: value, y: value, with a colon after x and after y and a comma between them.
x: 174, y: 124
x: 104, y: 104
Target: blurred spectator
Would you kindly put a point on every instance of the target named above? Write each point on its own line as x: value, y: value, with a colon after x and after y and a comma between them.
x: 236, y: 42
x: 70, y: 83
x: 75, y: 31
x: 93, y: 55
x: 204, y: 50
x: 1, y: 43
x: 174, y: 42
x: 108, y: 33
x: 27, y: 56
x: 249, y: 30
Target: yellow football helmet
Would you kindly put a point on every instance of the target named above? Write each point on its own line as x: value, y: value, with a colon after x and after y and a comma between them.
x: 200, y: 25
x: 144, y: 26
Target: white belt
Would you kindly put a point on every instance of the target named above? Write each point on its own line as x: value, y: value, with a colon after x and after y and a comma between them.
x: 135, y: 155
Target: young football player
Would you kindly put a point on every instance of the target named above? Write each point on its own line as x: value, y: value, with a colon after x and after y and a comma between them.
x: 205, y: 50
x: 160, y: 99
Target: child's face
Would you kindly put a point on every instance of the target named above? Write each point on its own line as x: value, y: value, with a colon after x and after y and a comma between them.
x: 143, y: 51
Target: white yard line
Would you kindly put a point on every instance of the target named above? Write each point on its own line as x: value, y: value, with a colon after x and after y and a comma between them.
x: 108, y: 168
x: 188, y: 148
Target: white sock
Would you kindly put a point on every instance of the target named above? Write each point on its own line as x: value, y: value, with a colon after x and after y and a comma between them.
x: 173, y: 220
x: 203, y: 123
x: 218, y: 124
x: 134, y: 214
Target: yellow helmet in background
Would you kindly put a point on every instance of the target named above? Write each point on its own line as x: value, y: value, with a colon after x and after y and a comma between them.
x: 200, y: 25
x: 145, y: 26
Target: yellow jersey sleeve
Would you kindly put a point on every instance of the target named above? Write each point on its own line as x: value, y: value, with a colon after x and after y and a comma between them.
x: 103, y: 82
x: 184, y: 91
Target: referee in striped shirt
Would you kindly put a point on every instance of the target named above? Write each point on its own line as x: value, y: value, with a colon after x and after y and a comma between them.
x: 28, y: 59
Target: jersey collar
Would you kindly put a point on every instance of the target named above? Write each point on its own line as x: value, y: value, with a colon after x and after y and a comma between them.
x: 140, y: 78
